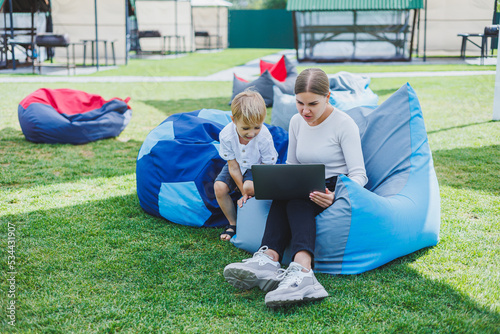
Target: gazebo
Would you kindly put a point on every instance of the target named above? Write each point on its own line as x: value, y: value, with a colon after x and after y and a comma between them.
x: 210, y: 23
x: 20, y: 20
x: 90, y: 20
x: 345, y: 30
x: 164, y: 25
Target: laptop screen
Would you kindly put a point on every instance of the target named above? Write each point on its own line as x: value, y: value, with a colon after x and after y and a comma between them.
x: 285, y: 182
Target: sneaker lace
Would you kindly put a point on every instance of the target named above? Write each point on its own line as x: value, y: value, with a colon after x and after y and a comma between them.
x: 289, y: 276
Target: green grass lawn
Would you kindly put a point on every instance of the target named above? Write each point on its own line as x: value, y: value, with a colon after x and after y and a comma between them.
x: 90, y: 260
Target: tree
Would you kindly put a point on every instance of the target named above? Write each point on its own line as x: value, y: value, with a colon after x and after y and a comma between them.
x: 274, y: 4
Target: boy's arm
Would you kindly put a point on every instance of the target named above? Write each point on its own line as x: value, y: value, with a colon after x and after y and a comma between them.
x: 235, y: 172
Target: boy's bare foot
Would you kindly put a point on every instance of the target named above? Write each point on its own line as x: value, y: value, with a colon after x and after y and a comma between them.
x: 228, y: 233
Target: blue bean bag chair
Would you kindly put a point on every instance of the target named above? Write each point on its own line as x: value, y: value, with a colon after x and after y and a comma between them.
x: 398, y: 211
x: 70, y: 116
x: 178, y: 163
x: 350, y: 90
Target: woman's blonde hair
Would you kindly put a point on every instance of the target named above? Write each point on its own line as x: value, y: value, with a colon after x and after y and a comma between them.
x: 249, y: 107
x: 312, y: 80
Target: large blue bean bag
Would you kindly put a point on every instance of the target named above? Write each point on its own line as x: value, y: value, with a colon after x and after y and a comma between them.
x: 71, y: 116
x: 178, y: 163
x: 398, y: 211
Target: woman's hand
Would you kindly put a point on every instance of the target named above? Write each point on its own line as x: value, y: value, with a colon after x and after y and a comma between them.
x: 243, y: 200
x: 323, y: 199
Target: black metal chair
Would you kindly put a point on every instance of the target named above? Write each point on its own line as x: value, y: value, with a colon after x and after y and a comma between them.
x: 490, y: 32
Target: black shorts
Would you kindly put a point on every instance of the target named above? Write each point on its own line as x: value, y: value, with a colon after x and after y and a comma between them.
x: 225, y: 177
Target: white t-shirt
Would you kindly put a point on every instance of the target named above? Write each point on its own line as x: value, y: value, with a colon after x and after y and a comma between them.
x: 335, y: 142
x: 260, y: 150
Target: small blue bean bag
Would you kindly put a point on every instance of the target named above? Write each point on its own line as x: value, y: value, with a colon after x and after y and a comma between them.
x: 70, y: 116
x: 178, y: 163
x: 398, y: 211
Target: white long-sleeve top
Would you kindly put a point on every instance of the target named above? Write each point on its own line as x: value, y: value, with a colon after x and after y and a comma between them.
x: 335, y: 143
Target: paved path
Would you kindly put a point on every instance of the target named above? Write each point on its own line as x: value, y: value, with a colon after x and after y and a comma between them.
x: 216, y: 77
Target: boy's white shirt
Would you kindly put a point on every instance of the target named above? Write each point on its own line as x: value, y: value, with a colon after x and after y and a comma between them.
x: 260, y: 150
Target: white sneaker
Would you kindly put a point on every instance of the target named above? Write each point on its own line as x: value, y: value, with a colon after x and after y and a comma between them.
x: 295, y: 286
x: 259, y: 270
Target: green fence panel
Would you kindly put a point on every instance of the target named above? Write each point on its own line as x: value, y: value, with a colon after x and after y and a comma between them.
x: 270, y: 28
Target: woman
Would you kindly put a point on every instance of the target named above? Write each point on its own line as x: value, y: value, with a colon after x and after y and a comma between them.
x: 319, y: 133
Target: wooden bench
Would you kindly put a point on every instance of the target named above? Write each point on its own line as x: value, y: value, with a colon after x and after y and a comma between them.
x: 150, y: 34
x: 208, y: 39
x: 93, y: 49
x: 467, y: 38
x: 489, y: 32
x: 178, y: 39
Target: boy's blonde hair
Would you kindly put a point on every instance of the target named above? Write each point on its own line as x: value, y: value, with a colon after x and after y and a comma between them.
x: 249, y: 107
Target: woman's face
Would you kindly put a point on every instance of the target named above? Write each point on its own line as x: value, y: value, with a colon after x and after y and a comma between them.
x: 313, y: 107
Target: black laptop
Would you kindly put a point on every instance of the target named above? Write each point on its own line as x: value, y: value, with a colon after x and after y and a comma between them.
x: 285, y: 182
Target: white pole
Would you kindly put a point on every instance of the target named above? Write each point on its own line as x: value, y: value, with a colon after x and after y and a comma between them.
x: 496, y: 98
x: 96, y: 37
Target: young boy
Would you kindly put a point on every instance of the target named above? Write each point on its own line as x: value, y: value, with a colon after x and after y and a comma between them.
x: 244, y: 142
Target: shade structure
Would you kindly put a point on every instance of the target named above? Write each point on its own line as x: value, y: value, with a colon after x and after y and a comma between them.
x: 170, y: 18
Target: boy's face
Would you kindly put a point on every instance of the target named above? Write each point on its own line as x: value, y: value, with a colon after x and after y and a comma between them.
x: 247, y: 132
